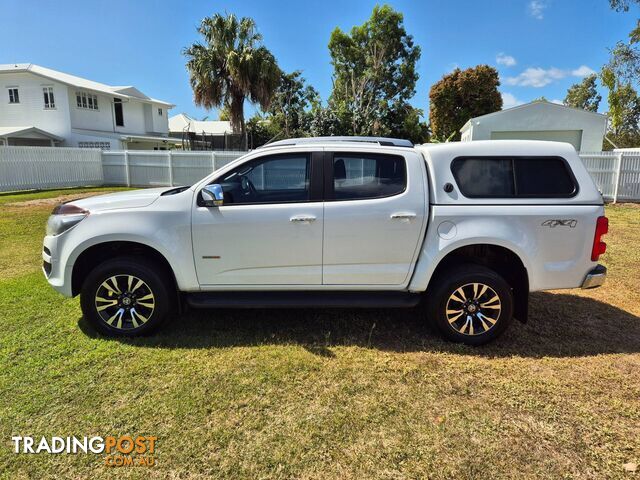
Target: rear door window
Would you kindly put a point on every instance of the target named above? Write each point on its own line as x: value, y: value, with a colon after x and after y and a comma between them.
x: 364, y: 176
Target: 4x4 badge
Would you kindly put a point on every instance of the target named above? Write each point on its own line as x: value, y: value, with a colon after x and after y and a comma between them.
x: 563, y: 223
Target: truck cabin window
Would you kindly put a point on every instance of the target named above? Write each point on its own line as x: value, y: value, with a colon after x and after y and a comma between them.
x: 274, y: 179
x: 513, y: 177
x: 363, y: 176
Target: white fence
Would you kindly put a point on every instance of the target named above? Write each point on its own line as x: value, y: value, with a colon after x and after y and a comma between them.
x: 161, y: 168
x: 616, y: 173
x: 24, y: 168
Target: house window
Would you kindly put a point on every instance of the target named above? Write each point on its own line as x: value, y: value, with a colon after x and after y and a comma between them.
x: 14, y: 97
x: 49, y: 101
x: 119, y: 114
x: 160, y: 111
x: 86, y: 100
x: 100, y: 145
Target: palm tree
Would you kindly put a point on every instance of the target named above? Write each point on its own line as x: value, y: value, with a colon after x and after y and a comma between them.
x: 231, y: 65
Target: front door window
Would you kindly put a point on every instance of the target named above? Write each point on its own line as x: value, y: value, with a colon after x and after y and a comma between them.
x: 274, y: 179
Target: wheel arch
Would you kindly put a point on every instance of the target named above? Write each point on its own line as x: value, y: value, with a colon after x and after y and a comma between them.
x: 503, y: 260
x: 97, y: 253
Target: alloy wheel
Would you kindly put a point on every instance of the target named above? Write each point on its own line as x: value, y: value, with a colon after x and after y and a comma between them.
x: 473, y: 309
x: 124, y: 302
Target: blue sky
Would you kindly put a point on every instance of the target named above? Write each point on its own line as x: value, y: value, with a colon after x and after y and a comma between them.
x: 540, y: 47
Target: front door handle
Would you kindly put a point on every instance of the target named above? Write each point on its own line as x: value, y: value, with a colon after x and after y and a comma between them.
x: 302, y: 218
x: 403, y: 216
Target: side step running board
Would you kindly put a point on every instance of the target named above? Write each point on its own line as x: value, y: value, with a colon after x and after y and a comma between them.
x: 295, y: 299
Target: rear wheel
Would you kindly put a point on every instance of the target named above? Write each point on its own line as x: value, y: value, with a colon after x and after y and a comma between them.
x: 126, y: 297
x: 471, y: 304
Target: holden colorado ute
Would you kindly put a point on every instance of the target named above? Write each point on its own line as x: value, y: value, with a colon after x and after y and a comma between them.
x: 471, y: 228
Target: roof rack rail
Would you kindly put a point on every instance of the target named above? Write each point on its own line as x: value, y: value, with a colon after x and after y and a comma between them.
x: 383, y: 141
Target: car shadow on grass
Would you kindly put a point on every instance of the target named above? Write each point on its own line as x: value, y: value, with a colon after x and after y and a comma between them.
x: 560, y: 325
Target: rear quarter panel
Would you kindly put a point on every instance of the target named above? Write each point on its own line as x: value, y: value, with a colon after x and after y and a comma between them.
x: 555, y: 256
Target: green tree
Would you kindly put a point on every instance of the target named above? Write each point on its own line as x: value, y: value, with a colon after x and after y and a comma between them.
x: 624, y: 62
x: 461, y: 95
x: 584, y: 94
x: 619, y: 76
x: 622, y: 5
x: 292, y: 103
x: 624, y: 111
x: 325, y: 121
x: 231, y: 65
x: 260, y: 130
x: 224, y: 114
x: 404, y: 122
x: 374, y: 73
x: 625, y: 57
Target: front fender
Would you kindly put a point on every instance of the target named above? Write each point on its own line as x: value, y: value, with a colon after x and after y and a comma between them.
x: 169, y: 233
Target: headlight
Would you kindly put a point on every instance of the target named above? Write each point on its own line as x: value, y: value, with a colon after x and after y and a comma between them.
x: 64, y: 217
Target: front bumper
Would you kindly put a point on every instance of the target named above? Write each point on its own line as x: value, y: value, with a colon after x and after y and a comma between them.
x: 595, y: 277
x: 54, y: 271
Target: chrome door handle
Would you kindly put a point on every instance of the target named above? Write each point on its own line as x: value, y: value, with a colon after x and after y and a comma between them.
x: 302, y: 218
x: 403, y: 215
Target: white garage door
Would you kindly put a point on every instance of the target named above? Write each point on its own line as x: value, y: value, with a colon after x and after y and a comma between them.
x: 574, y: 137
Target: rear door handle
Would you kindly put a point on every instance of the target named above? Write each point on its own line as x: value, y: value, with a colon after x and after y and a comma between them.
x: 403, y: 216
x: 302, y: 218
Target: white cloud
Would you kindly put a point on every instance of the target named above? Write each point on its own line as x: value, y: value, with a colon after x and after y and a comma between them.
x: 539, y: 77
x: 536, y: 9
x: 559, y: 102
x: 509, y: 100
x: 506, y: 60
x: 536, y: 77
x: 582, y: 71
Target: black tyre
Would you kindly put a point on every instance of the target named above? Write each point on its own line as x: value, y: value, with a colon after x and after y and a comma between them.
x: 470, y: 304
x: 126, y: 297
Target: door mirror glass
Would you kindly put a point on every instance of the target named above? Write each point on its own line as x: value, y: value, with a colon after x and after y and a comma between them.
x: 212, y: 195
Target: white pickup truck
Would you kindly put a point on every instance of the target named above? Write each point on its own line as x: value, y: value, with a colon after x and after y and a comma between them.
x: 471, y: 228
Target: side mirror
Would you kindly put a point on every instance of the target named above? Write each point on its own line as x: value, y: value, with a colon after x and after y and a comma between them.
x: 212, y: 195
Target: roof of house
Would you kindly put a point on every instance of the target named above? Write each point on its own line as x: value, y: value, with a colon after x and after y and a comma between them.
x: 126, y: 92
x: 184, y: 123
x: 22, y: 130
x: 528, y: 105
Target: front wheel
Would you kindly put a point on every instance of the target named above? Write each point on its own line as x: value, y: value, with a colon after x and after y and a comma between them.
x: 471, y: 304
x: 125, y: 297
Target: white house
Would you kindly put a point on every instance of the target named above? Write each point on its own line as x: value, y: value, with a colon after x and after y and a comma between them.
x: 40, y: 106
x: 184, y: 123
x: 203, y: 134
x: 540, y: 120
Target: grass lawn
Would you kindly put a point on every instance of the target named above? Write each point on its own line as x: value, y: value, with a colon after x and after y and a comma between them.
x: 324, y: 394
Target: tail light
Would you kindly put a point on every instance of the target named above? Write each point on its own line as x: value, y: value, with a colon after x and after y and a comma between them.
x: 599, y: 247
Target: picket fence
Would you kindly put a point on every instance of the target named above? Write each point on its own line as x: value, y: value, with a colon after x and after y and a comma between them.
x: 161, y: 168
x: 616, y: 173
x: 24, y: 168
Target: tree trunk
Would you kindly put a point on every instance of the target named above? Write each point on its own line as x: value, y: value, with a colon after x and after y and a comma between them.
x: 237, y: 114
